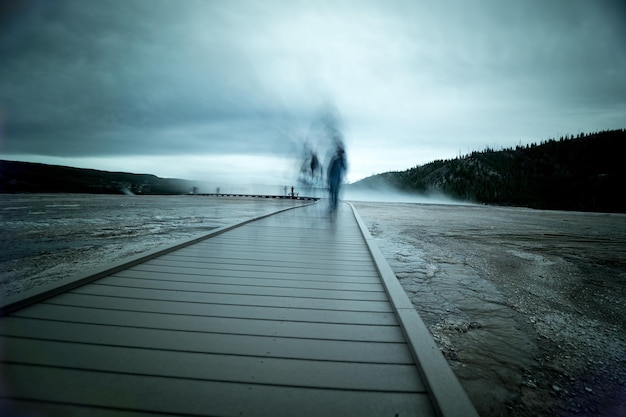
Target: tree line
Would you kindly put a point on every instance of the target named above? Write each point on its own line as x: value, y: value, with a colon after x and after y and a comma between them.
x: 586, y: 172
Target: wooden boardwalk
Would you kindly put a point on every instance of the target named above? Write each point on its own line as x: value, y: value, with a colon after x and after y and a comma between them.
x: 294, y: 314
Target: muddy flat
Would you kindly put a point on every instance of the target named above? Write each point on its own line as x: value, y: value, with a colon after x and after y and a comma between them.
x: 526, y: 305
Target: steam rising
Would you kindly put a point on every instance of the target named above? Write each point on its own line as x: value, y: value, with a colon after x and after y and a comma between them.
x: 378, y: 189
x: 392, y: 195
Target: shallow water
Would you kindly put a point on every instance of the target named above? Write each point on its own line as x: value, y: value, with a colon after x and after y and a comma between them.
x: 525, y: 304
x: 46, y: 237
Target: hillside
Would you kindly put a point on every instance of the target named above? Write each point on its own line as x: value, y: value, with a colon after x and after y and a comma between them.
x: 25, y: 177
x: 586, y: 173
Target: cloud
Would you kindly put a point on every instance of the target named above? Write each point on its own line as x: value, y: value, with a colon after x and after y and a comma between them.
x: 411, y: 80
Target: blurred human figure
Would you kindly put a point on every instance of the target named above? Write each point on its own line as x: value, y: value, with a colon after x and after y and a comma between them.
x: 315, y: 165
x: 336, y: 172
x: 311, y: 169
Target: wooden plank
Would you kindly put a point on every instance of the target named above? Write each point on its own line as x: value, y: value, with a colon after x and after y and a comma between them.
x: 209, y: 287
x: 323, y: 248
x: 262, y: 247
x: 281, y: 235
x: 225, y: 325
x: 197, y: 397
x: 235, y: 299
x: 19, y: 407
x: 299, y: 229
x: 303, y: 261
x: 290, y: 282
x: 288, y: 269
x: 320, y: 247
x: 271, y: 259
x: 302, y: 275
x: 219, y: 310
x: 212, y: 367
x: 297, y: 232
x: 244, y: 345
x: 317, y: 243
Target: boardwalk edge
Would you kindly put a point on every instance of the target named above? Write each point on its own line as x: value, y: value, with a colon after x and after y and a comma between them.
x: 450, y: 398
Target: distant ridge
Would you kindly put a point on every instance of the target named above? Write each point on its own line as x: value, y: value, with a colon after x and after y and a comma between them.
x: 583, y: 173
x: 27, y: 177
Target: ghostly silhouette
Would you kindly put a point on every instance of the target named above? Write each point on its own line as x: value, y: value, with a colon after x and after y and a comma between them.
x: 315, y: 164
x: 311, y: 169
x: 323, y: 162
x: 336, y: 172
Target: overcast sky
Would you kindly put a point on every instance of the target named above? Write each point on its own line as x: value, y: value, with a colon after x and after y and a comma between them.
x: 230, y: 90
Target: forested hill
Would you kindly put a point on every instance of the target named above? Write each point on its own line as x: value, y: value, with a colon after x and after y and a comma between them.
x: 586, y: 173
x: 26, y: 177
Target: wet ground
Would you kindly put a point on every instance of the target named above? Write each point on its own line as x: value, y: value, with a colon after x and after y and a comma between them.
x: 527, y: 306
x: 47, y: 237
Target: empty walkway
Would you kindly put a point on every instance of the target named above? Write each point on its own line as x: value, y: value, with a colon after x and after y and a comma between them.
x: 295, y: 314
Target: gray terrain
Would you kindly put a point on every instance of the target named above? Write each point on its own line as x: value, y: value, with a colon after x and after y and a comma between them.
x: 526, y: 305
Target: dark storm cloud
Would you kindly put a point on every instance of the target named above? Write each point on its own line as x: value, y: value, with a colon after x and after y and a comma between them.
x: 549, y: 50
x: 413, y: 80
x: 83, y: 78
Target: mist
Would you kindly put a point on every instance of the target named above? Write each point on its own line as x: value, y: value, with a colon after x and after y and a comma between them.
x: 388, y: 194
x: 378, y: 188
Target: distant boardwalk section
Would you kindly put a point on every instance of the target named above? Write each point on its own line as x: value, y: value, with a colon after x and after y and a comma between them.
x: 286, y: 197
x: 291, y: 314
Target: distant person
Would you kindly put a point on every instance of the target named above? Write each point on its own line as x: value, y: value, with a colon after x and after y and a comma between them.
x: 315, y: 164
x: 311, y: 169
x: 336, y: 172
